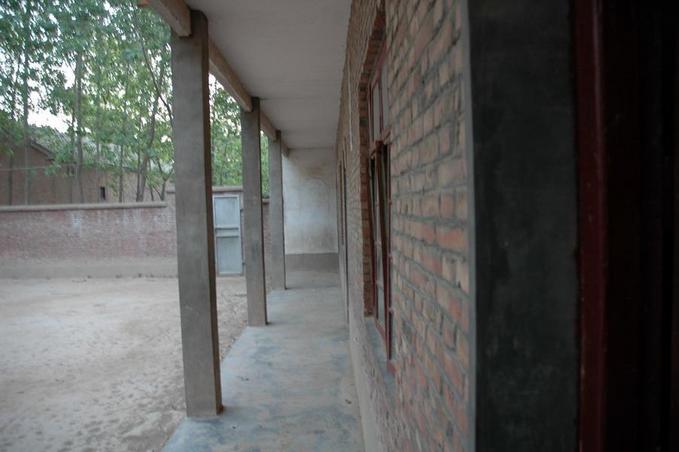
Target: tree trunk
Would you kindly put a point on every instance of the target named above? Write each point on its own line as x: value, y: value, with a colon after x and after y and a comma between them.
x: 120, y: 174
x: 138, y: 172
x: 97, y: 135
x: 72, y: 154
x: 79, y: 117
x: 24, y: 99
x: 10, y: 176
x: 96, y: 167
x: 10, y: 180
x: 141, y: 178
x: 164, y: 178
x: 152, y: 133
x: 149, y: 144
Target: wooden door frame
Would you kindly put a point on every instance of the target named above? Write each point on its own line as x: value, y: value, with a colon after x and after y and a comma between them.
x: 625, y: 224
x: 591, y: 223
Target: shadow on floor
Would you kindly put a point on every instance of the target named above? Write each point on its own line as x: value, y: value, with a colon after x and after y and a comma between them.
x: 287, y: 386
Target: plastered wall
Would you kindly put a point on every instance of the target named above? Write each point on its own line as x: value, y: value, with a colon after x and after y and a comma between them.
x: 309, y: 202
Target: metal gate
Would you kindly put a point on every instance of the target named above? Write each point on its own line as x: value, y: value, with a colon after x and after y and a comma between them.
x: 228, y: 250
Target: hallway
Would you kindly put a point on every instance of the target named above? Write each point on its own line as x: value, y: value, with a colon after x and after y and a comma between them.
x: 288, y: 386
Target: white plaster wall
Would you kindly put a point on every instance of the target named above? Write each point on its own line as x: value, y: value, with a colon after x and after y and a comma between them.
x: 309, y: 201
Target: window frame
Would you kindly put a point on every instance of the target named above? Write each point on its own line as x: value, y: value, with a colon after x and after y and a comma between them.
x: 376, y: 81
x: 379, y: 176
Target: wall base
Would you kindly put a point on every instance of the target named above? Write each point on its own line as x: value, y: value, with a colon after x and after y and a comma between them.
x: 370, y: 437
x: 87, y: 268
x: 326, y: 262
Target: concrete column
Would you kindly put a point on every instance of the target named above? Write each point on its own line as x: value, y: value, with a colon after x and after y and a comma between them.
x: 277, y: 269
x: 253, y: 236
x: 195, y: 247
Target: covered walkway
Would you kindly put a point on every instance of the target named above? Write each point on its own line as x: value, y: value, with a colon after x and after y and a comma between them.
x: 289, y: 385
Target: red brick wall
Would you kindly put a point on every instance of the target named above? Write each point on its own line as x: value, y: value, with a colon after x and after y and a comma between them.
x: 50, y: 185
x: 133, y: 236
x: 93, y: 232
x: 426, y: 404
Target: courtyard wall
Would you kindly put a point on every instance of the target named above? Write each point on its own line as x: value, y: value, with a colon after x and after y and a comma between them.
x: 95, y: 240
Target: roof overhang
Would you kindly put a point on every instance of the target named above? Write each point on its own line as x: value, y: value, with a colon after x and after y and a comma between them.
x: 289, y: 53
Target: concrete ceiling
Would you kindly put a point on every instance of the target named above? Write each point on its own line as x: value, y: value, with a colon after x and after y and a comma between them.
x: 289, y: 53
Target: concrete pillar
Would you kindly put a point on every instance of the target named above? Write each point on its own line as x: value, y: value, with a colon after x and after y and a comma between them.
x: 277, y: 267
x: 195, y: 247
x: 253, y: 236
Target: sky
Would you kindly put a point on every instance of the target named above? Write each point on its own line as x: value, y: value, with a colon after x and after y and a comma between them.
x: 40, y: 117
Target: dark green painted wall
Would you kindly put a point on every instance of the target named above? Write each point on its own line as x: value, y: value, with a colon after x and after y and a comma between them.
x: 526, y: 225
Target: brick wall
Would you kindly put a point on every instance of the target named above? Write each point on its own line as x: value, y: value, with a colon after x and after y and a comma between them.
x: 88, y: 231
x: 102, y: 240
x: 93, y: 240
x: 48, y: 184
x: 425, y: 404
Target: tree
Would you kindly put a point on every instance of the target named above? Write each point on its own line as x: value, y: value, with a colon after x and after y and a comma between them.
x: 104, y: 66
x: 225, y: 137
x: 226, y: 141
x: 25, y: 26
x: 77, y: 21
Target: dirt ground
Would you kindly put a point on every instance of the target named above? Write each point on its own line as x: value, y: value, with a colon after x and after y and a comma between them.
x: 95, y: 364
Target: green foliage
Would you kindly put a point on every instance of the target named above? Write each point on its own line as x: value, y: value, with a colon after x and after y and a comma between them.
x: 104, y: 67
x: 225, y: 136
x: 226, y: 142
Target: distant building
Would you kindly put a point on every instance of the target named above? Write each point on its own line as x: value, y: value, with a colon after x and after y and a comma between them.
x: 50, y: 184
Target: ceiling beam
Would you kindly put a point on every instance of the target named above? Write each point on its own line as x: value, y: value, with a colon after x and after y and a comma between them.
x: 228, y: 78
x: 174, y: 12
x: 266, y: 126
x: 178, y: 17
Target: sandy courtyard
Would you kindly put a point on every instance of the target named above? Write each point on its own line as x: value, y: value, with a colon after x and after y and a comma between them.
x: 95, y: 364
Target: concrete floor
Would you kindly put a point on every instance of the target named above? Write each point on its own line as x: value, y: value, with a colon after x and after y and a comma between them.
x: 287, y: 386
x: 95, y: 364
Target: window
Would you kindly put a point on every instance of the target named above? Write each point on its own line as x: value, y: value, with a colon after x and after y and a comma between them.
x: 102, y: 193
x: 380, y: 202
x: 379, y: 103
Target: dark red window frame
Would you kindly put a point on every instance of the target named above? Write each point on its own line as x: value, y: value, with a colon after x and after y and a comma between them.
x: 380, y: 202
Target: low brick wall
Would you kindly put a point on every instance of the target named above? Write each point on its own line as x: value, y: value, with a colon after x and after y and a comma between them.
x: 94, y: 240
x: 98, y: 240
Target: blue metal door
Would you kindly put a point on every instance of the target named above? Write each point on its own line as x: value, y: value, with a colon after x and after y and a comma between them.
x: 228, y: 251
